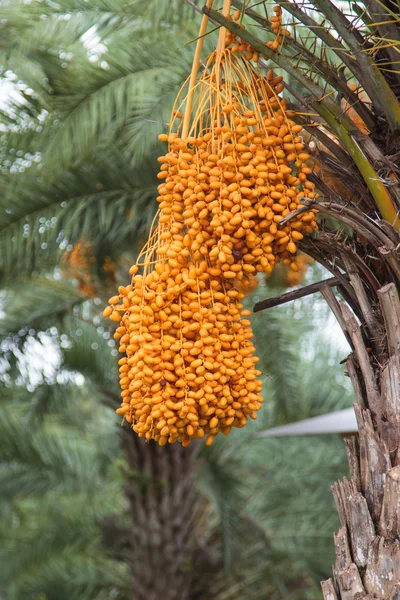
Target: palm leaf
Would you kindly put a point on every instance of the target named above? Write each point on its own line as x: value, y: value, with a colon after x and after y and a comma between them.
x: 42, y: 220
x: 28, y: 307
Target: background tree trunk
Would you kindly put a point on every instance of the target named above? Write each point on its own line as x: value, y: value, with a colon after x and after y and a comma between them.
x: 160, y: 489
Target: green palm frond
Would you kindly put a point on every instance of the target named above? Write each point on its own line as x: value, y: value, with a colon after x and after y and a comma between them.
x: 135, y: 92
x: 286, y: 506
x: 103, y: 14
x: 90, y: 354
x: 30, y: 306
x: 58, y: 483
x: 109, y: 105
x: 321, y: 391
x: 224, y: 487
x: 32, y: 465
x: 32, y: 73
x: 103, y: 202
x: 278, y: 352
x: 59, y: 401
x: 69, y: 575
x: 104, y: 98
x: 38, y: 557
x: 160, y: 12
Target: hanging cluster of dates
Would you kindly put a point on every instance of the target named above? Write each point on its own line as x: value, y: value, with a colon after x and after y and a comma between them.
x: 234, y: 167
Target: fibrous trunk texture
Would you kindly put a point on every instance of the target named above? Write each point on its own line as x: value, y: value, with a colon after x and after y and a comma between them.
x: 163, y: 507
x: 367, y: 545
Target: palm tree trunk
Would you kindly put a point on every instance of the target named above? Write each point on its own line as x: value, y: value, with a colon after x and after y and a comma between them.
x: 160, y: 490
x: 367, y: 545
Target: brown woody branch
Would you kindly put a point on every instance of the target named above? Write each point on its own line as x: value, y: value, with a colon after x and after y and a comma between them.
x: 296, y: 294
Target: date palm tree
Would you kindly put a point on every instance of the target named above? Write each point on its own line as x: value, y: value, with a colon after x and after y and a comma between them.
x: 89, y: 93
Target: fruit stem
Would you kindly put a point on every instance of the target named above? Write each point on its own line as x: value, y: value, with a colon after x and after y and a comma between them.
x: 222, y: 32
x: 193, y: 74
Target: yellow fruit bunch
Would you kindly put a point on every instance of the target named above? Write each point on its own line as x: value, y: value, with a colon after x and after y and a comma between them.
x: 79, y: 263
x: 276, y: 26
x: 234, y: 168
x: 188, y: 369
x: 244, y: 48
x: 303, y: 261
x: 242, y: 168
x: 290, y: 277
x: 248, y: 285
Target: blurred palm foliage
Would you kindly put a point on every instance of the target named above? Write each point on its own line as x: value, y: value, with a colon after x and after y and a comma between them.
x: 266, y: 514
x: 88, y: 87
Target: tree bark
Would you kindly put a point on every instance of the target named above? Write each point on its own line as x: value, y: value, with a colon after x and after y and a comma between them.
x: 367, y: 545
x: 160, y: 490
